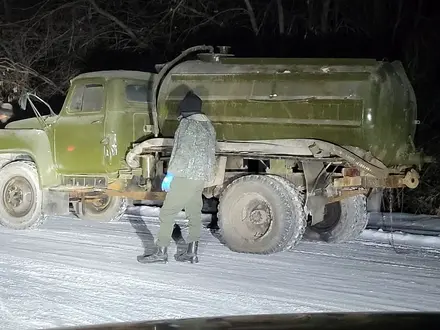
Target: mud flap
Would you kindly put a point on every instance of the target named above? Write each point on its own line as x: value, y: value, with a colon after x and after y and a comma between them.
x: 316, y: 207
x: 55, y: 202
x: 314, y: 172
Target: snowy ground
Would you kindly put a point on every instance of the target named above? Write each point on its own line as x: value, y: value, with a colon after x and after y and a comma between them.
x: 72, y: 272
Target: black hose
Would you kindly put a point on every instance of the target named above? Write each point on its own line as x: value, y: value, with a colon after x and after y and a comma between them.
x: 161, y: 74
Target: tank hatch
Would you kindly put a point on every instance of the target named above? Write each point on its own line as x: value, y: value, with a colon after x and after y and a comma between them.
x: 223, y: 52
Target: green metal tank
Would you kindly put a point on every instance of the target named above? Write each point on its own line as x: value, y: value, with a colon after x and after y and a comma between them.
x: 363, y: 103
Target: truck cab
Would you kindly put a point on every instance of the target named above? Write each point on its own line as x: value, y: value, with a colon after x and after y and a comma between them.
x: 84, y: 146
x: 103, y: 114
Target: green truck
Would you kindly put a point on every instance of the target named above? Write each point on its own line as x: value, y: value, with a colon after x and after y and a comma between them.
x: 302, y: 142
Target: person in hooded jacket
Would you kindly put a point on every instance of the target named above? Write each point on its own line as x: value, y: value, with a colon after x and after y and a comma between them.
x: 191, y: 166
x: 5, y: 112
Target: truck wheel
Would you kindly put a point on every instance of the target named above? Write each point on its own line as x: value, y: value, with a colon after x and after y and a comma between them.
x: 343, y: 221
x: 104, y: 209
x: 21, y: 198
x: 261, y: 214
x: 298, y: 198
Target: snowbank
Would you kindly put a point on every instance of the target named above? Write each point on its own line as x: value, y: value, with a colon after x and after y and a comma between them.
x: 400, y: 238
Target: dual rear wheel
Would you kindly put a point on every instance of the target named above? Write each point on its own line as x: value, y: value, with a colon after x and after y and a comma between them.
x: 264, y: 214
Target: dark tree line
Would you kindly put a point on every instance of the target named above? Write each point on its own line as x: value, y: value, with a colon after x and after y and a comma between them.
x: 51, y: 39
x: 44, y: 43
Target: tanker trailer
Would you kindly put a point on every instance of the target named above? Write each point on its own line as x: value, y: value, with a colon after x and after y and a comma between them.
x: 301, y: 141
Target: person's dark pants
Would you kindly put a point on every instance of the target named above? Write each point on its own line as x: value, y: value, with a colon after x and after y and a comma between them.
x: 183, y: 194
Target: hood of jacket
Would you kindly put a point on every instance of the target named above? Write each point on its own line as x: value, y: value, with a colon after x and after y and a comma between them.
x: 191, y: 104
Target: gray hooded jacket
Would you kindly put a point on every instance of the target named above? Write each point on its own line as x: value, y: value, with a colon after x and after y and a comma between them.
x: 193, y: 155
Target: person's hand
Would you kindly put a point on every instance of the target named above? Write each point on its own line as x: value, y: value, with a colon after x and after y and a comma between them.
x: 166, y: 182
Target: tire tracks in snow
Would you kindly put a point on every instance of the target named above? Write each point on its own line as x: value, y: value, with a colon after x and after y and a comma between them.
x: 72, y: 272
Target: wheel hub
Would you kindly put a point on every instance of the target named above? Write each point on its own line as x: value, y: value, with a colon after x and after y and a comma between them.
x: 97, y: 205
x: 18, y: 197
x: 259, y: 217
x: 101, y: 203
x: 256, y: 216
x: 15, y: 196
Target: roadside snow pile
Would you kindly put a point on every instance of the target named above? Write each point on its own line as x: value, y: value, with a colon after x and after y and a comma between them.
x: 407, y: 223
x: 400, y: 238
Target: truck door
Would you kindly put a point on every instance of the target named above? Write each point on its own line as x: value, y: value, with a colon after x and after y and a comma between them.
x: 128, y: 120
x: 79, y: 131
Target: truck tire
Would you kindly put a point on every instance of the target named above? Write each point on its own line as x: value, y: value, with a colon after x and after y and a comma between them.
x: 261, y: 214
x: 108, y: 209
x: 344, y: 221
x: 21, y: 199
x: 298, y: 199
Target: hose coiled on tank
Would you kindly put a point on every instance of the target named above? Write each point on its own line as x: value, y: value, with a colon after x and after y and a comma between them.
x: 161, y: 74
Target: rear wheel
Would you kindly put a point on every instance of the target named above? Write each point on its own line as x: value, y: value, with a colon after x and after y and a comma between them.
x: 343, y: 221
x: 261, y: 214
x: 104, y: 208
x: 21, y: 198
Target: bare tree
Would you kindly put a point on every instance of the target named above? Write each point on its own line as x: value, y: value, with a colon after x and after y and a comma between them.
x: 325, y: 15
x: 7, y: 10
x: 42, y: 45
x: 252, y: 17
x: 280, y: 16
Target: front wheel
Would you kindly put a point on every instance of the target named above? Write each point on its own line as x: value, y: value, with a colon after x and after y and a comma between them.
x: 21, y: 198
x: 103, y: 209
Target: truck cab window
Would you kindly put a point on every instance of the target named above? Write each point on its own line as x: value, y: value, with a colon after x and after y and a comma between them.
x: 138, y: 93
x: 87, y: 98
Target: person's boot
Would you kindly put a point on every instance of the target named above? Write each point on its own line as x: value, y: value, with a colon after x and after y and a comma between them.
x: 190, y: 255
x: 159, y: 256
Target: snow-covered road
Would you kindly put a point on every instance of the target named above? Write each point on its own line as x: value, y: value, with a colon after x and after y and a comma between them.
x: 72, y: 272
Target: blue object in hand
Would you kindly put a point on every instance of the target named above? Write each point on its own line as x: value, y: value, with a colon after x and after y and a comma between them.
x: 167, y: 181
